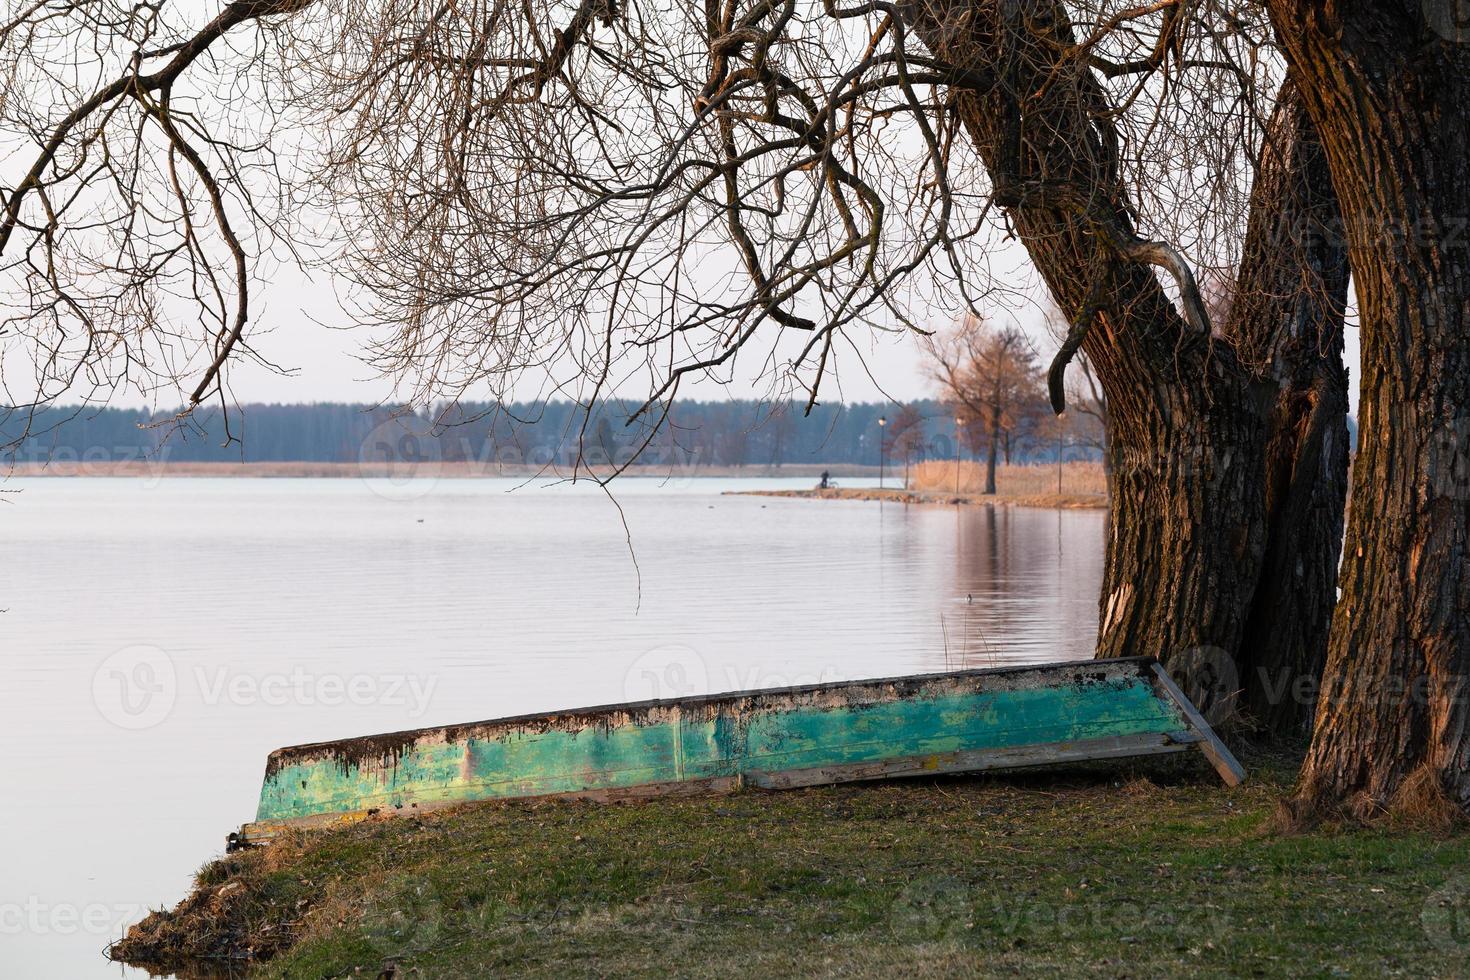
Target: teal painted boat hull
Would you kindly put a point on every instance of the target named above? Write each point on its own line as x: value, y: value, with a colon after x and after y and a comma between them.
x: 779, y: 738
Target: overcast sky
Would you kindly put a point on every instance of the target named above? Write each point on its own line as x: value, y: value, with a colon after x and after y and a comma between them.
x: 292, y: 320
x: 293, y: 328
x: 326, y: 365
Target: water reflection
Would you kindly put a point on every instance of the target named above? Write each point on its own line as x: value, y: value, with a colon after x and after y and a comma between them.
x: 1027, y: 582
x: 285, y: 611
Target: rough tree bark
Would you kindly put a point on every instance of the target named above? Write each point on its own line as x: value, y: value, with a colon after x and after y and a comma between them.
x: 1192, y: 420
x: 1286, y: 319
x: 1387, y: 85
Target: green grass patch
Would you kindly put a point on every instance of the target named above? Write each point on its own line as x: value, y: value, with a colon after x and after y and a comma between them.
x: 1149, y: 870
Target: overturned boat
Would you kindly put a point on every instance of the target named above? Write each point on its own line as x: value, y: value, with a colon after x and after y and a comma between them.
x: 963, y: 721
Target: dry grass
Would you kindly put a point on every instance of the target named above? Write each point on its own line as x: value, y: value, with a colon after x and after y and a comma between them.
x: 1142, y: 869
x: 1010, y: 481
x: 1083, y: 486
x: 1419, y: 804
x: 1056, y: 501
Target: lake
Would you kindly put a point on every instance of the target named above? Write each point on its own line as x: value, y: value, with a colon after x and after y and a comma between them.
x: 161, y: 636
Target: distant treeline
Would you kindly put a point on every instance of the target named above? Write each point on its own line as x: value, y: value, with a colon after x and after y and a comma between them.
x: 726, y: 433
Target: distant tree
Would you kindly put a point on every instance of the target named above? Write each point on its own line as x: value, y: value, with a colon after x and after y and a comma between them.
x: 730, y: 437
x: 906, y: 438
x: 1033, y: 425
x: 990, y: 374
x: 781, y: 425
x: 604, y: 444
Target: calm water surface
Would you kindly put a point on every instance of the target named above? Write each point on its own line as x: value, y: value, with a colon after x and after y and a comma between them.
x: 160, y: 637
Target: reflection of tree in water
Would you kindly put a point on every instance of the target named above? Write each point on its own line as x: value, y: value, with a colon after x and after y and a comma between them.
x: 1027, y: 582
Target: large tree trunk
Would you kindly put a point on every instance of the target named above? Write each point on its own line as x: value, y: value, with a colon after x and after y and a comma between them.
x: 1388, y: 87
x: 1191, y: 422
x: 1286, y: 319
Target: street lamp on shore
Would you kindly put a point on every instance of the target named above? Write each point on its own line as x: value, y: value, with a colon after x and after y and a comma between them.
x: 882, y: 450
x: 1061, y: 433
x: 958, y: 421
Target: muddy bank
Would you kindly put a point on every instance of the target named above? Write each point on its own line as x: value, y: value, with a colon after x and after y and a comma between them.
x: 243, y: 910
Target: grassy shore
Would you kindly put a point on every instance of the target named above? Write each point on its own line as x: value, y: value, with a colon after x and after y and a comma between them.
x: 1082, y: 486
x: 1151, y: 869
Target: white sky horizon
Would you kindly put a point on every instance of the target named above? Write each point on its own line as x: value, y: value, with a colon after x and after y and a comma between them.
x: 323, y: 363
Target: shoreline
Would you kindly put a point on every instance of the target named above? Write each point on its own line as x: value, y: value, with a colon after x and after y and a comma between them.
x: 1148, y: 865
x: 1052, y: 501
x: 298, y: 469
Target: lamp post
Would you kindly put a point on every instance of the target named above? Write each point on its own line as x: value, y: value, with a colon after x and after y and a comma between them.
x: 1060, y: 433
x: 882, y: 450
x: 957, y: 423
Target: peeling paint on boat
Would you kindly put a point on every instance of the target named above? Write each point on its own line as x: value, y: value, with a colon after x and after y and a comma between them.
x: 830, y: 732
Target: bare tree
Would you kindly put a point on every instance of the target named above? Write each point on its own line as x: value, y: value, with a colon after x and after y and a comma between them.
x: 618, y: 194
x: 139, y: 211
x: 990, y: 375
